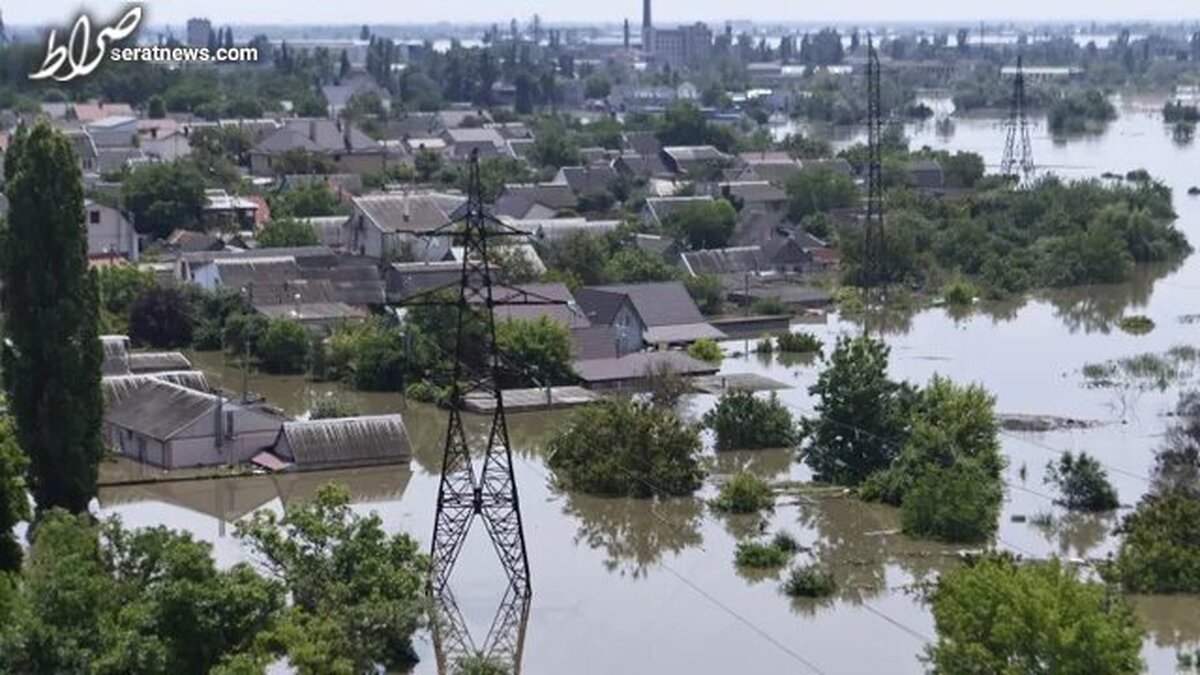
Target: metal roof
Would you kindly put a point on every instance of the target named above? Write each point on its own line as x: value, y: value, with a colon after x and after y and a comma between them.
x: 159, y: 409
x: 149, y: 362
x: 348, y: 440
x: 635, y: 366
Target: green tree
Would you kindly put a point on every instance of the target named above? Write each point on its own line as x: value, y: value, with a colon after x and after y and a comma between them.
x: 358, y: 593
x: 997, y: 616
x: 862, y: 415
x: 309, y: 199
x: 619, y: 447
x: 14, y: 505
x: 284, y: 347
x: 959, y: 504
x: 163, y: 197
x: 285, y: 232
x: 162, y: 316
x: 156, y: 109
x: 707, y: 350
x: 818, y: 190
x: 743, y: 421
x: 633, y: 265
x: 52, y: 353
x: 535, y: 352
x: 707, y: 291
x: 120, y: 286
x: 427, y: 163
x: 582, y: 254
x: 553, y: 146
x: 1082, y: 483
x: 1158, y: 551
x: 703, y: 224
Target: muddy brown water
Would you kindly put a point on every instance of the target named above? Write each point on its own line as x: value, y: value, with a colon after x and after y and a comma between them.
x: 623, y: 586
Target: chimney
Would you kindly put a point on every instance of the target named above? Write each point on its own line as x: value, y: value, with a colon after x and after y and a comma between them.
x: 407, y: 208
x: 346, y: 136
x: 312, y: 130
x: 219, y: 423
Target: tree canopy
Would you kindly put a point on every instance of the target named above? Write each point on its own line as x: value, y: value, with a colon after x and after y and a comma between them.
x: 164, y: 197
x: 286, y: 232
x: 703, y: 225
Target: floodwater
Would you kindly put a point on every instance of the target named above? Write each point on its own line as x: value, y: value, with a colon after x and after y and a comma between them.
x: 623, y: 586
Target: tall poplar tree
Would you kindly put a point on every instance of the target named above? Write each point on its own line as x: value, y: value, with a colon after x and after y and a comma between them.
x: 52, y: 351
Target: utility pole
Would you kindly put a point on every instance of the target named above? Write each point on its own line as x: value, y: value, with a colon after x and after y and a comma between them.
x: 1017, y: 160
x: 874, y: 246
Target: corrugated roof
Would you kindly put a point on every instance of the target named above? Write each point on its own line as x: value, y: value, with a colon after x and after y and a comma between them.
x: 150, y: 362
x: 566, y: 313
x: 682, y: 333
x: 348, y: 440
x: 117, y: 387
x: 738, y: 259
x: 159, y: 409
x: 693, y: 153
x: 634, y: 366
x: 410, y: 212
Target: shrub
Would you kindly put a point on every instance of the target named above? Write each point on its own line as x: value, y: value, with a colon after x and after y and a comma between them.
x: 427, y: 392
x: 665, y: 384
x: 744, y: 493
x: 765, y: 346
x: 331, y: 405
x: 769, y: 306
x: 784, y: 541
x: 1082, y: 482
x: 809, y: 581
x: 744, y: 422
x: 959, y: 292
x: 284, y: 347
x: 707, y: 350
x: 1136, y: 325
x: 959, y: 505
x: 619, y: 447
x: 1159, y: 551
x: 798, y: 343
x: 759, y: 555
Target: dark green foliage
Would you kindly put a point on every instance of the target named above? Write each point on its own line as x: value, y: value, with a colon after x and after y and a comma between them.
x: 370, y: 356
x: 744, y: 493
x: 285, y: 232
x: 163, y: 197
x: 959, y: 292
x: 534, y: 353
x: 862, y: 415
x: 684, y: 124
x: 809, y: 581
x: 633, y: 265
x: 707, y: 292
x: 743, y: 421
x: 581, y: 254
x: 1136, y: 325
x: 99, y: 598
x: 818, y: 190
x: 120, y: 286
x: 161, y: 316
x: 759, y: 555
x: 1178, y: 111
x: 622, y: 448
x: 1082, y: 483
x: 703, y: 225
x: 768, y: 306
x: 798, y: 343
x: 283, y: 347
x: 358, y: 593
x: 52, y: 354
x: 960, y: 504
x: 553, y: 147
x: 999, y: 616
x: 308, y: 199
x: 1160, y: 545
x: 331, y: 405
x: 426, y: 392
x: 1077, y: 113
x: 14, y: 505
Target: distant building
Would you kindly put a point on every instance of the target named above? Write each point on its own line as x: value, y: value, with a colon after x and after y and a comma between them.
x: 109, y: 231
x: 389, y: 224
x: 199, y: 32
x: 681, y: 47
x: 660, y: 313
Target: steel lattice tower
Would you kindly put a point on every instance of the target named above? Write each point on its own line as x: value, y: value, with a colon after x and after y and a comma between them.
x: 489, y: 494
x: 874, y: 269
x: 1017, y: 161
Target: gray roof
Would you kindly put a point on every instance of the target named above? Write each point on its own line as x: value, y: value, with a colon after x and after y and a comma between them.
x: 755, y: 227
x: 682, y: 333
x: 413, y: 125
x: 685, y: 154
x: 662, y: 303
x: 454, y: 118
x: 661, y: 208
x: 329, y: 229
x: 588, y: 179
x: 594, y: 342
x: 159, y: 409
x: 338, y: 95
x: 311, y: 311
x: 643, y: 142
x: 150, y: 362
x: 518, y: 200
x: 377, y: 439
x: 566, y: 313
x: 300, y: 253
x: 317, y: 135
x: 116, y: 354
x: 636, y: 365
x: 117, y: 387
x: 752, y: 192
x: 408, y: 279
x: 737, y: 259
x: 418, y: 212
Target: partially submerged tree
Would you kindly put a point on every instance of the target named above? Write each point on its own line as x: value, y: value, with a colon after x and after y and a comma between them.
x: 1082, y: 483
x: 52, y: 352
x: 1159, y: 551
x: 743, y: 421
x: 998, y: 616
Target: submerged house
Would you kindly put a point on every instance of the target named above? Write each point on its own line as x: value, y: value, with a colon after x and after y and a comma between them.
x: 344, y: 442
x: 660, y: 313
x: 171, y: 426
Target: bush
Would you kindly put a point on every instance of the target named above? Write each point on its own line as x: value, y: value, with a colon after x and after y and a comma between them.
x: 536, y: 352
x: 995, y: 615
x: 426, y: 392
x: 706, y: 290
x: 758, y: 555
x: 619, y: 447
x: 331, y: 405
x: 285, y: 232
x: 784, y: 541
x: 744, y: 493
x: 745, y: 422
x: 809, y: 581
x: 1082, y: 482
x: 1136, y: 325
x: 707, y: 350
x: 665, y: 384
x: 959, y: 292
x: 765, y: 346
x: 769, y: 306
x: 798, y: 343
x: 958, y: 505
x: 284, y: 347
x: 1160, y: 547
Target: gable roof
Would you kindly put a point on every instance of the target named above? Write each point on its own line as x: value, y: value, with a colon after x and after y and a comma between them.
x: 518, y: 200
x: 410, y: 212
x: 376, y: 439
x: 662, y: 207
x: 537, y: 298
x: 753, y: 192
x: 661, y: 303
x: 151, y: 362
x: 724, y: 260
x: 587, y: 179
x: 318, y: 136
x: 685, y: 154
x: 159, y: 409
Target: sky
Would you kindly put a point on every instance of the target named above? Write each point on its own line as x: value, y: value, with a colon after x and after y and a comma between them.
x: 41, y: 12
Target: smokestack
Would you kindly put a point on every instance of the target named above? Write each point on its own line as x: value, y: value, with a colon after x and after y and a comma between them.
x: 646, y: 25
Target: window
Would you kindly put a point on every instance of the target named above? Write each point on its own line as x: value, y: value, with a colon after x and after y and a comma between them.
x: 94, y: 217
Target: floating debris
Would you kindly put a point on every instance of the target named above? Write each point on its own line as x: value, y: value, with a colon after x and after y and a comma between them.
x: 1042, y: 423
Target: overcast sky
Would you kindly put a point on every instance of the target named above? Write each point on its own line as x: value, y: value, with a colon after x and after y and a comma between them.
x: 665, y: 11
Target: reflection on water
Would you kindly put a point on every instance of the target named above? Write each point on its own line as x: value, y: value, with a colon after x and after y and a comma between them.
x: 1077, y: 535
x: 1171, y: 620
x: 1098, y: 308
x: 634, y: 534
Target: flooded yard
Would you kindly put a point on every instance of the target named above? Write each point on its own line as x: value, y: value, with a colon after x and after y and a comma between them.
x: 630, y: 586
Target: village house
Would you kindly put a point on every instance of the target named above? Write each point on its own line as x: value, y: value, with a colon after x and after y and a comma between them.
x: 753, y: 195
x: 343, y: 442
x: 657, y: 211
x: 651, y: 314
x: 539, y: 201
x: 331, y: 142
x: 689, y: 160
x: 117, y: 131
x: 109, y: 231
x: 389, y: 224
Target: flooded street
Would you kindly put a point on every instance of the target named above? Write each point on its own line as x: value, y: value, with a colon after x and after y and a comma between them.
x: 623, y: 586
